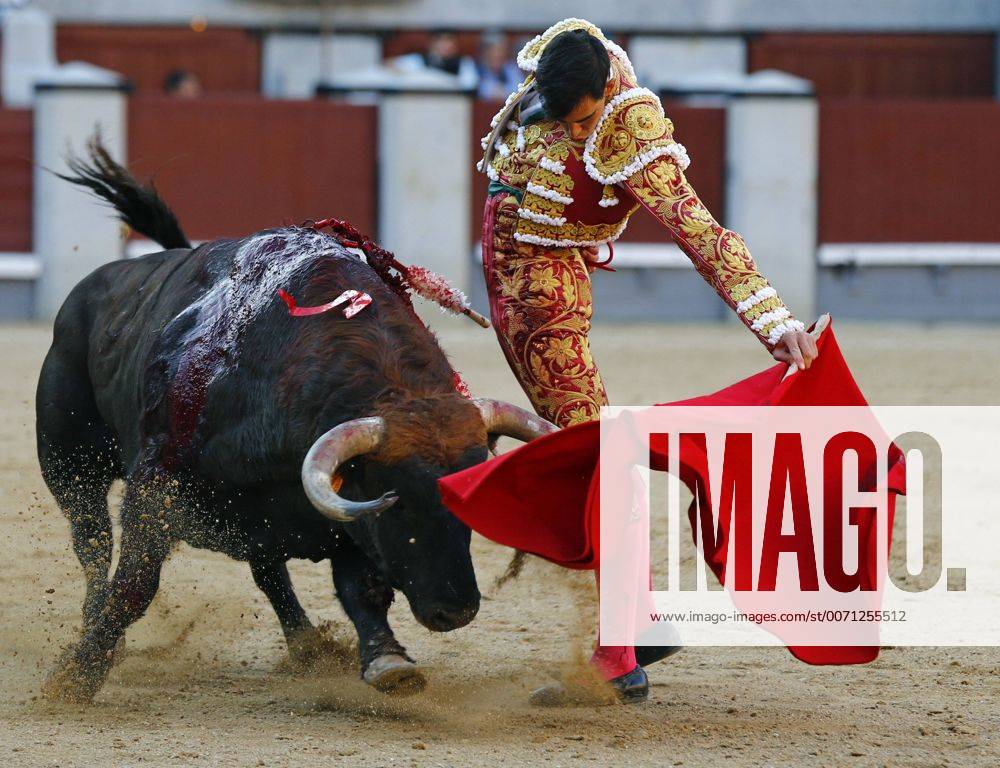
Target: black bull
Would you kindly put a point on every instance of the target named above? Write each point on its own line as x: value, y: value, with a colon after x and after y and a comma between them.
x: 183, y: 374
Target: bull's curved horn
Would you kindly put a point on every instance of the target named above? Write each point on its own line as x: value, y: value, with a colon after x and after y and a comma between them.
x: 503, y: 418
x: 340, y: 444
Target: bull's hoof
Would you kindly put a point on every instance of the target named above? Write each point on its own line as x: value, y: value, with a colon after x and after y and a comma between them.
x: 395, y: 674
x: 71, y: 682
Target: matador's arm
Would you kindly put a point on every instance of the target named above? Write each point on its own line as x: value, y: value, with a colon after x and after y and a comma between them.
x: 719, y: 254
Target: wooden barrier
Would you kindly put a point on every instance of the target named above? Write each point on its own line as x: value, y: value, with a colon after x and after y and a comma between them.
x: 233, y: 165
x: 908, y: 171
x: 15, y: 179
x: 224, y: 60
x: 883, y: 66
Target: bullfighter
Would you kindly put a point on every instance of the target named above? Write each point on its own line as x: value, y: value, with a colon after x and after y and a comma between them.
x: 577, y: 149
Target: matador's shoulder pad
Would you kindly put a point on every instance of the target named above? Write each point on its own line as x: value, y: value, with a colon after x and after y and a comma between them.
x: 631, y: 133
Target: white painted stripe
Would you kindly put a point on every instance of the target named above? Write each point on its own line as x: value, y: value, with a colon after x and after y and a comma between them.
x: 908, y: 254
x: 20, y: 266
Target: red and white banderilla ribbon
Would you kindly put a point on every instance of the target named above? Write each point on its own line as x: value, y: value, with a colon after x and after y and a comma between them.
x: 357, y: 299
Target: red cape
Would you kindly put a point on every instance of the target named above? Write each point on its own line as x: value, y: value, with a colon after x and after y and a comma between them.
x: 543, y: 496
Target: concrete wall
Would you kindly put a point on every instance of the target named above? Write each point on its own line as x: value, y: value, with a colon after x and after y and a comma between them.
x: 18, y: 274
x: 28, y: 54
x: 646, y: 15
x: 660, y: 59
x: 424, y: 202
x: 772, y: 163
x: 16, y: 300
x: 295, y: 63
x: 73, y: 233
x: 920, y: 293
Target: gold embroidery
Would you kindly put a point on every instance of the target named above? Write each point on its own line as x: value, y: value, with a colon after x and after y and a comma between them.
x: 560, y: 351
x: 510, y: 285
x: 719, y: 254
x: 537, y: 204
x: 519, y: 166
x: 543, y: 280
x: 542, y: 325
x: 741, y: 291
x: 764, y: 306
x: 634, y: 127
x: 557, y: 182
x: 643, y: 121
x: 576, y: 233
x: 559, y: 152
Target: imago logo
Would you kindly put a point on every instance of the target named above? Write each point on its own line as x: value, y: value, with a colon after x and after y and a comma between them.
x: 821, y: 525
x: 733, y: 520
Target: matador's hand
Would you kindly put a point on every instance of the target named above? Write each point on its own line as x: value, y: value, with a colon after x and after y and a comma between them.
x: 796, y: 347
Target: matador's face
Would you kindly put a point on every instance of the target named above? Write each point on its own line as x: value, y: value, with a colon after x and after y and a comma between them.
x: 581, y: 121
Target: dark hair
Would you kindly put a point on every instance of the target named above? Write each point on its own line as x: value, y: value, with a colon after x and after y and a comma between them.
x: 175, y: 79
x: 574, y: 64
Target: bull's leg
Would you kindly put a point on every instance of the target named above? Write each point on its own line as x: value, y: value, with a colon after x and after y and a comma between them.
x: 366, y: 600
x: 271, y: 577
x: 145, y: 544
x: 83, y: 499
x: 78, y: 458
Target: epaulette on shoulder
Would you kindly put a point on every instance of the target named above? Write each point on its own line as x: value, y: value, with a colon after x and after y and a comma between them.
x: 631, y: 133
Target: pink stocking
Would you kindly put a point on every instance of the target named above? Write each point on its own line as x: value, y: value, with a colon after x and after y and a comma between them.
x: 612, y: 660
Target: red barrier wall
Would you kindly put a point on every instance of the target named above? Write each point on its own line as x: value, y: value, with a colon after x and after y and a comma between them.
x: 889, y: 66
x: 908, y: 171
x: 15, y: 179
x: 223, y: 59
x: 233, y: 165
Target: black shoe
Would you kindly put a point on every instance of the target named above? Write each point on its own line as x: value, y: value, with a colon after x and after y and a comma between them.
x: 630, y: 688
x: 650, y: 654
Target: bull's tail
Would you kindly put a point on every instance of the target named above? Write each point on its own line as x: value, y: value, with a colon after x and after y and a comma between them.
x: 137, y: 205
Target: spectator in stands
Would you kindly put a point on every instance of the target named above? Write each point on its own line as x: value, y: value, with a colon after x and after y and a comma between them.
x: 442, y: 54
x: 498, y: 72
x: 182, y: 83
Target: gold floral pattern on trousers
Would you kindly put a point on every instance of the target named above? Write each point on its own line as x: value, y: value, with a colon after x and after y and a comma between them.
x: 541, y: 306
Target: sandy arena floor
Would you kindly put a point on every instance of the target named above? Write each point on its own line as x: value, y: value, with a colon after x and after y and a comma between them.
x: 201, y: 682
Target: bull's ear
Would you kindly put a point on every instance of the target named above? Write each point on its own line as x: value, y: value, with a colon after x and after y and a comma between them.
x: 491, y: 443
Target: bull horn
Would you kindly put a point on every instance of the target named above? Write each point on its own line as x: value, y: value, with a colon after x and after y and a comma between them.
x: 332, y: 449
x: 503, y: 418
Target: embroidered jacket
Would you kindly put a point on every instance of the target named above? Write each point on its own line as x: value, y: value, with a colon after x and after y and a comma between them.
x: 579, y: 194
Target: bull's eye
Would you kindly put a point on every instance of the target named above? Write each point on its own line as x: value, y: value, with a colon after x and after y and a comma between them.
x: 413, y: 541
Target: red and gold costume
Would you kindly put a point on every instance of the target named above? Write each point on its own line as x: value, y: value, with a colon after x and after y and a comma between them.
x: 552, y: 197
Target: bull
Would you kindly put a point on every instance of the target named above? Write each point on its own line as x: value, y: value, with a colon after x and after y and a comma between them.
x: 242, y: 430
